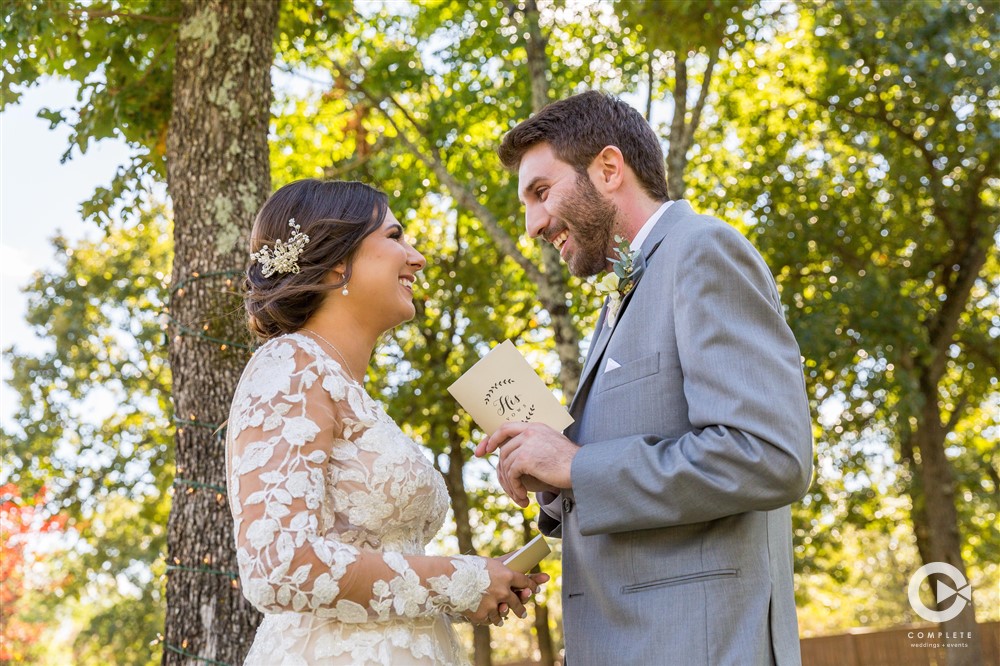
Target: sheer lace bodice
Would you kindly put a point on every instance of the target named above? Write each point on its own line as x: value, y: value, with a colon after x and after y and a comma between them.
x: 333, y: 506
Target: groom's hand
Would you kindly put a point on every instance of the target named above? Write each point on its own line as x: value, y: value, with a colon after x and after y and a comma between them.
x: 533, y: 457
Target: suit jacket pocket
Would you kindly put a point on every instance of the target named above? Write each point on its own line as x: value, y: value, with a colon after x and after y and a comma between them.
x: 631, y: 371
x: 698, y: 577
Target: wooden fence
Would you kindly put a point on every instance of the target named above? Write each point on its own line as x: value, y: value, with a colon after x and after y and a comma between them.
x: 880, y: 647
x: 911, y: 645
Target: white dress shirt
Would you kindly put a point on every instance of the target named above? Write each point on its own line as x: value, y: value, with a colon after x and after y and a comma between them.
x: 640, y: 238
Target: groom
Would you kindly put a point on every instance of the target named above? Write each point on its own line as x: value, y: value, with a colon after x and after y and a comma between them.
x: 671, y: 491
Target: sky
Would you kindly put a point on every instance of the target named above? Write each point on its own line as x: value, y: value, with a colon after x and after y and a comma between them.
x: 40, y: 198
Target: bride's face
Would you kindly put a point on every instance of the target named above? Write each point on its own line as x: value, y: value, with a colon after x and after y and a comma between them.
x: 383, y: 275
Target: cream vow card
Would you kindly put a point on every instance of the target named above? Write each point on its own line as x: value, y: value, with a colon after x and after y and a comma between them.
x: 527, y: 556
x: 502, y: 387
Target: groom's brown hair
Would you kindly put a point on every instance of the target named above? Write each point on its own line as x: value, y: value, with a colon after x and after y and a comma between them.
x: 581, y: 126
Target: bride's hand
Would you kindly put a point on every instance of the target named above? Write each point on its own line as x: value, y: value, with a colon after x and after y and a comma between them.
x: 538, y: 578
x: 503, y: 595
x: 525, y: 593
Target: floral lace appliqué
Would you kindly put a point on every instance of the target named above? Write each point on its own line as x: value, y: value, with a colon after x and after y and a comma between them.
x: 325, y: 491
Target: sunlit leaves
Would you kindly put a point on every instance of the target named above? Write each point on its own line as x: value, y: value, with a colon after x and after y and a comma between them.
x: 132, y: 45
x: 868, y: 174
x: 94, y: 425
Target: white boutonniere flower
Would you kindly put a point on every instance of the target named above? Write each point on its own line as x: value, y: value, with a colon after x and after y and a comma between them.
x: 626, y: 270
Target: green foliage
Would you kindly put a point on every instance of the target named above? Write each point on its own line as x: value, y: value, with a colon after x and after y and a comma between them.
x: 94, y: 427
x: 130, y: 43
x: 469, y: 296
x: 421, y: 122
x: 867, y: 162
x: 120, y: 633
x: 121, y: 55
x: 121, y: 625
x: 864, y: 584
x: 855, y: 142
x: 101, y: 313
x: 690, y: 25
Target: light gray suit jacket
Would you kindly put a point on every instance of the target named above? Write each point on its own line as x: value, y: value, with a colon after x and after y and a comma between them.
x: 677, y: 543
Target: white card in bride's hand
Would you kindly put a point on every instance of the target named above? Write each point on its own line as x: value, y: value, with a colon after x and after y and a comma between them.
x: 503, y: 387
x: 527, y: 556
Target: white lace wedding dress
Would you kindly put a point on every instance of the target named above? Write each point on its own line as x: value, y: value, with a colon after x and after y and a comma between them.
x: 325, y: 490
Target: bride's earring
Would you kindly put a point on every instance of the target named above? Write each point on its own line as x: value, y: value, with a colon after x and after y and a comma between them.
x: 344, y: 290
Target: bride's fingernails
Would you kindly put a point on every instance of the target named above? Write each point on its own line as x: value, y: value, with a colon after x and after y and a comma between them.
x: 523, y: 614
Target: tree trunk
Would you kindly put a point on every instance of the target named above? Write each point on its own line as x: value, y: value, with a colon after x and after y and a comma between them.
x: 546, y: 649
x: 682, y: 128
x: 945, y: 542
x: 217, y: 176
x: 553, y: 287
x: 677, y: 152
x: 542, y: 630
x: 915, y: 489
x: 939, y: 512
x: 483, y: 652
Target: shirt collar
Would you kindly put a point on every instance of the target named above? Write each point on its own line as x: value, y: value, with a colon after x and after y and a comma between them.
x: 640, y: 237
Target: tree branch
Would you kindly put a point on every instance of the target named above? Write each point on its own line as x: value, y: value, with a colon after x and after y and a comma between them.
x: 713, y: 59
x: 650, y: 81
x: 463, y: 196
x: 991, y: 472
x: 956, y: 414
x: 537, y: 60
x: 333, y: 173
x: 676, y: 154
x: 970, y: 261
x: 677, y: 124
x: 942, y: 328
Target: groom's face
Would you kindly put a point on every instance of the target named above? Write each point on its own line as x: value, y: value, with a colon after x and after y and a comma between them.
x: 563, y: 207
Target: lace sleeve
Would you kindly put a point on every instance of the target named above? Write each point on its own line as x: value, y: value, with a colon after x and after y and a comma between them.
x: 291, y: 411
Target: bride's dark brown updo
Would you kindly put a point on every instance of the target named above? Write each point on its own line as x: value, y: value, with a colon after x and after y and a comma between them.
x: 337, y: 216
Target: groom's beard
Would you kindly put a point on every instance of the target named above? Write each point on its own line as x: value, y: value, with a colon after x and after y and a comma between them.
x: 591, y: 220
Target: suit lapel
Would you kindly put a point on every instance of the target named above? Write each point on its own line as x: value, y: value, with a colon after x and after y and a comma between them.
x: 601, y: 336
x: 603, y: 333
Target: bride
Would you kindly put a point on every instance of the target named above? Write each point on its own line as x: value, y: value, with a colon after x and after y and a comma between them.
x: 333, y: 505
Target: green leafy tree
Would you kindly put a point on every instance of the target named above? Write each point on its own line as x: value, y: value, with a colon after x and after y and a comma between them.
x: 94, y: 429
x: 448, y: 119
x: 691, y: 36
x: 187, y: 84
x: 471, y: 294
x: 870, y: 171
x: 856, y: 133
x: 21, y: 520
x: 131, y: 48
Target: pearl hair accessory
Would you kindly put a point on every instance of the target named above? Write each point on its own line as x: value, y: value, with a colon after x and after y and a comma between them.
x: 285, y: 256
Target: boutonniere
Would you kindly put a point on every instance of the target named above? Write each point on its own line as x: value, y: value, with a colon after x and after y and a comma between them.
x: 626, y: 270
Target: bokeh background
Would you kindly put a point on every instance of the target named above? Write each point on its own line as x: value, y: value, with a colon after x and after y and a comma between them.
x: 855, y: 143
